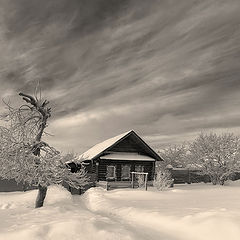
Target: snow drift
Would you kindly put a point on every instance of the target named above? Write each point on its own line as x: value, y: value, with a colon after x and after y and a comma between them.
x: 186, y: 212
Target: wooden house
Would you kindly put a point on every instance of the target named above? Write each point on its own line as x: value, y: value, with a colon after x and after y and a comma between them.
x: 115, y: 158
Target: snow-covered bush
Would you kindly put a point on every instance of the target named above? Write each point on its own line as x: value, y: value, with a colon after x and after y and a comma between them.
x: 141, y: 180
x: 162, y: 180
x: 217, y: 156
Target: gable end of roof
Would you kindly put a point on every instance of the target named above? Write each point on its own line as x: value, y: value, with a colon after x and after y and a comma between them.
x: 99, y: 148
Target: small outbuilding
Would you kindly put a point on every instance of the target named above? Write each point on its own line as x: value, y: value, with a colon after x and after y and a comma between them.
x: 115, y: 158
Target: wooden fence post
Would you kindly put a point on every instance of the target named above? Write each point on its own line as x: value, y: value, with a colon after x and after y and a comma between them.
x: 132, y: 180
x: 189, y: 176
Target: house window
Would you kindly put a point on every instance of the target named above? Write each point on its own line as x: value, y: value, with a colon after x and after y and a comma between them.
x: 111, y: 172
x: 125, y: 175
x: 139, y: 168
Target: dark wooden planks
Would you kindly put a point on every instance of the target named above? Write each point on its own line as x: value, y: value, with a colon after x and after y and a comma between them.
x: 102, y: 168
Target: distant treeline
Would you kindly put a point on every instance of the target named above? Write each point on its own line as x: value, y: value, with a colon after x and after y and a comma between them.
x: 210, y: 157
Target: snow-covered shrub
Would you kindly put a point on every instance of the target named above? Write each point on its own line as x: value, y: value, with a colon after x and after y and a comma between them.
x: 141, y: 180
x: 162, y: 180
x: 217, y: 156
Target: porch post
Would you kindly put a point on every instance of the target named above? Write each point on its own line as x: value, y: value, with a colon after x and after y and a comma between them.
x: 146, y: 178
x: 132, y: 180
x: 97, y: 164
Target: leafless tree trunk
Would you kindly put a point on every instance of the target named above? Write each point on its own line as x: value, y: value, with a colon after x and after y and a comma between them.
x: 42, y: 192
x: 44, y: 114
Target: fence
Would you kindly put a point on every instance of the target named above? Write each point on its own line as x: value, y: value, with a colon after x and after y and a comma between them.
x: 185, y: 175
x: 12, y: 186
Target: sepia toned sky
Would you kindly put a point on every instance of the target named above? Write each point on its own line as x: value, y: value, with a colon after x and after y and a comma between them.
x: 167, y: 69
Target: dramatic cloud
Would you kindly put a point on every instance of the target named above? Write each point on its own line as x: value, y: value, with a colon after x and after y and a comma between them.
x: 167, y: 69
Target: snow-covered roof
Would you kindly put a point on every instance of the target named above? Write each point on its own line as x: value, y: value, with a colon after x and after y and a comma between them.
x: 127, y: 156
x: 100, y: 147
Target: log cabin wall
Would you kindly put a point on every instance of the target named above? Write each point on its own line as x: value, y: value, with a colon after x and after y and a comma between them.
x: 102, y: 168
x: 129, y: 144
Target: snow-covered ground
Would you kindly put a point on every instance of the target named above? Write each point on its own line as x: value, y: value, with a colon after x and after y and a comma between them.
x: 186, y: 212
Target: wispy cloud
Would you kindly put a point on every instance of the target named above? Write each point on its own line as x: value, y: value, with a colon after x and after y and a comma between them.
x: 164, y: 68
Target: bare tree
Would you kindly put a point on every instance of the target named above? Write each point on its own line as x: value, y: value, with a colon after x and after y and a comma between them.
x: 218, y: 156
x: 174, y: 155
x: 25, y: 157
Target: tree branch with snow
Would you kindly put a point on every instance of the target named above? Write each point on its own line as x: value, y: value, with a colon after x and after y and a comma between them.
x: 25, y: 157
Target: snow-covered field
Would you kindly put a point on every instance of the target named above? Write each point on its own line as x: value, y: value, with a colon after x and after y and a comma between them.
x: 186, y: 212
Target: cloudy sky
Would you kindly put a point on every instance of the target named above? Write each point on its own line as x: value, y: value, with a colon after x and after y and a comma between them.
x: 167, y: 69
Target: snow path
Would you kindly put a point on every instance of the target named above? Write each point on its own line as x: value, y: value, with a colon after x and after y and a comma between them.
x: 186, y: 212
x: 180, y: 216
x: 122, y: 223
x: 63, y: 217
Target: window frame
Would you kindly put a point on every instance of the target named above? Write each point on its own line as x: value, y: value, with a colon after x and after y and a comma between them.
x: 114, y: 172
x: 129, y: 175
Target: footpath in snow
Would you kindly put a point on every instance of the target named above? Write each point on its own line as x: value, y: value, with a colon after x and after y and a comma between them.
x: 186, y: 212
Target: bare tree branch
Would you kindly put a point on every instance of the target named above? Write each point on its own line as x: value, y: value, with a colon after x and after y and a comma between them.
x: 23, y: 154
